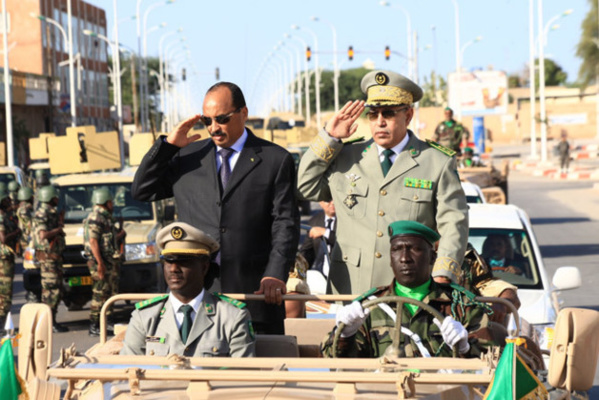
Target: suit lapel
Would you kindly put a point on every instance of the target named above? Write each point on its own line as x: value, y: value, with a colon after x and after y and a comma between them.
x: 372, y: 163
x: 203, y: 319
x: 404, y: 161
x: 168, y: 325
x: 247, y: 161
x: 206, y: 162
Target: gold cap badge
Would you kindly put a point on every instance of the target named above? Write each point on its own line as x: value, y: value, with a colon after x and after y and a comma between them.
x: 381, y: 78
x: 177, y: 233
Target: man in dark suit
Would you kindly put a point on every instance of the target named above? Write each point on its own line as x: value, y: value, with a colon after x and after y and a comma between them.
x: 321, y: 238
x: 237, y: 188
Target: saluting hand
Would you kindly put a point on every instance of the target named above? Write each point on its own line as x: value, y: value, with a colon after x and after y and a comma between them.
x: 178, y: 136
x: 342, y: 126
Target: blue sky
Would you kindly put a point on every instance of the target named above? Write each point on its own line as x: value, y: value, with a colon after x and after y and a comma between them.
x: 237, y: 35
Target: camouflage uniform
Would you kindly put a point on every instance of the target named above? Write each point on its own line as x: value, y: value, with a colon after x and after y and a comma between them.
x: 7, y: 266
x: 49, y: 254
x: 450, y: 134
x: 24, y: 215
x: 377, y: 331
x: 117, y: 261
x: 99, y: 225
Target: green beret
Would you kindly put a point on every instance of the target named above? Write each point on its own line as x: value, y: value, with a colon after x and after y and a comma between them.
x: 468, y: 150
x: 448, y: 109
x: 387, y: 88
x: 182, y: 239
x: 413, y: 228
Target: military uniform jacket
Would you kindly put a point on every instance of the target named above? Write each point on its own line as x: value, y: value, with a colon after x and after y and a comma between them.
x: 422, y: 186
x: 378, y: 330
x: 8, y: 226
x: 99, y: 225
x: 450, y: 134
x: 46, y: 218
x: 25, y: 214
x: 219, y: 329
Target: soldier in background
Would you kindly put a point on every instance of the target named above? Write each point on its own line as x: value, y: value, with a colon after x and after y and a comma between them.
x: 13, y: 189
x: 100, y: 238
x: 451, y: 133
x: 8, y: 234
x: 563, y: 148
x: 49, y: 243
x: 25, y: 215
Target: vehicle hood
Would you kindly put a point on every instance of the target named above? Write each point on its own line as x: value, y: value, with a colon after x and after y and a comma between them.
x: 140, y: 232
x: 537, y: 307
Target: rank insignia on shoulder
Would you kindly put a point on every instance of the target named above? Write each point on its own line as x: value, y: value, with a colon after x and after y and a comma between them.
x: 441, y: 148
x: 364, y: 296
x: 356, y: 140
x: 236, y: 303
x: 418, y: 183
x: 143, y: 304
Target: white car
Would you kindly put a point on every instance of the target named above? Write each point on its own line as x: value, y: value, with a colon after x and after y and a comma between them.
x: 474, y: 195
x: 524, y: 267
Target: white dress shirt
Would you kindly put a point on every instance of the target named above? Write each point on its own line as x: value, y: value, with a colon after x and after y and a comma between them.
x: 397, y: 149
x: 237, y: 146
x: 195, y: 304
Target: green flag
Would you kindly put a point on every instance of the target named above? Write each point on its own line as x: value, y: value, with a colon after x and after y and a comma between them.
x: 9, y: 384
x: 514, y: 380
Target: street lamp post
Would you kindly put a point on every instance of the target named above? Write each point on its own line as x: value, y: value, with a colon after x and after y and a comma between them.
x: 531, y: 78
x: 306, y: 81
x: 335, y: 66
x: 468, y: 44
x: 7, y: 92
x: 299, y: 79
x: 408, y: 35
x: 316, y: 72
x: 291, y: 80
x: 67, y: 43
x: 71, y: 65
x: 163, y: 79
x: 458, y: 66
x: 119, y: 96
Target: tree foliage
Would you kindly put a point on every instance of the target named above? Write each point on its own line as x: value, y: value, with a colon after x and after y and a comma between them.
x: 554, y: 74
x: 349, y: 88
x: 434, y: 91
x: 588, y: 47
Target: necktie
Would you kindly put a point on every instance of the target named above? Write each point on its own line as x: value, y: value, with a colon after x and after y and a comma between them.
x: 331, y: 239
x: 386, y: 164
x: 187, y: 322
x: 225, y: 168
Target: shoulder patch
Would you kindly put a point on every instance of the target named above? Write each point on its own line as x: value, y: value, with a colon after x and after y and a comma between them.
x: 143, y: 304
x: 356, y: 140
x: 442, y: 149
x: 365, y: 295
x: 236, y: 303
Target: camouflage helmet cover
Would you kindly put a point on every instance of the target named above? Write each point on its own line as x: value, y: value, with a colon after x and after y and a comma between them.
x: 24, y: 194
x: 101, y: 196
x: 47, y: 193
x: 13, y: 186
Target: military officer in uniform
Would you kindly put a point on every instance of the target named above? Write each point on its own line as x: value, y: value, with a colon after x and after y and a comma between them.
x: 100, y: 238
x: 393, y: 176
x: 49, y: 243
x: 189, y: 321
x: 9, y: 233
x: 25, y: 215
x: 451, y: 133
x: 371, y: 332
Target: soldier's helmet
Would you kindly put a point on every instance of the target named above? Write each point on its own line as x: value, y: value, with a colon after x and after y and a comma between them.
x: 13, y: 186
x: 47, y: 193
x: 101, y: 196
x: 3, y: 195
x: 24, y: 194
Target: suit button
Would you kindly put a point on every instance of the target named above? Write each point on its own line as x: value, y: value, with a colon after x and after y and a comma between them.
x: 218, y: 203
x: 186, y: 350
x: 151, y: 352
x: 381, y: 213
x: 377, y: 255
x: 415, y: 197
x: 223, y: 230
x: 383, y: 192
x: 214, y: 349
x: 379, y: 233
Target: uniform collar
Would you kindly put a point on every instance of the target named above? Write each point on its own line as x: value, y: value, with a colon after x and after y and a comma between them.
x: 195, y: 303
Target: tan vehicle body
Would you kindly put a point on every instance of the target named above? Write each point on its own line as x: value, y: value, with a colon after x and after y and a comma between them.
x: 281, y: 371
x: 493, y: 182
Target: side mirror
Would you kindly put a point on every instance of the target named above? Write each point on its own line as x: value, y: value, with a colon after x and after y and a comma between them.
x: 566, y: 278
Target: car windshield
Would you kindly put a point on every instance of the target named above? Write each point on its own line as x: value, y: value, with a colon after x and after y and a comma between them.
x: 509, y: 253
x: 473, y: 199
x: 7, y: 177
x: 76, y: 202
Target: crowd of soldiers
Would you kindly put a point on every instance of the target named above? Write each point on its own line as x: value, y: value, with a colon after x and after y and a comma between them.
x: 34, y: 221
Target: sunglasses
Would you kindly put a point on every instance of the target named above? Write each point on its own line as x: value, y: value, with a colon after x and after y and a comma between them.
x: 386, y: 113
x: 220, y: 119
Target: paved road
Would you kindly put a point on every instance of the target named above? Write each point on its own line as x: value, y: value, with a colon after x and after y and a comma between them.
x: 565, y: 217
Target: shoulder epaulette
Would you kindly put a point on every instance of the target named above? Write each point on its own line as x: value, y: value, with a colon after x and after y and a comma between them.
x: 143, y: 304
x: 364, y: 296
x: 442, y: 149
x: 236, y: 303
x: 356, y: 140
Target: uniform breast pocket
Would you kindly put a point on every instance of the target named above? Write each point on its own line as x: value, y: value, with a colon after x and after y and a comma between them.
x: 213, y: 348
x: 156, y: 349
x: 353, y: 196
x: 420, y: 203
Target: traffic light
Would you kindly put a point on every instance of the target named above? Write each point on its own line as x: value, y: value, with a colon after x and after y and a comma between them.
x: 183, y: 75
x: 308, y: 53
x: 350, y: 53
x: 217, y: 74
x: 387, y: 52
